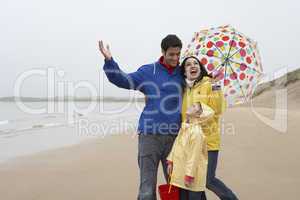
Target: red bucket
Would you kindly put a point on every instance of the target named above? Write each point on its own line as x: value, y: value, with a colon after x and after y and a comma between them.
x: 168, y: 192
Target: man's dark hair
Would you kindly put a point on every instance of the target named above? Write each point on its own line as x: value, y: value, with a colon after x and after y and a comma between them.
x: 170, y: 41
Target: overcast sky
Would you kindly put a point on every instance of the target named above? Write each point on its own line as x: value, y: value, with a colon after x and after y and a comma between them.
x: 63, y: 34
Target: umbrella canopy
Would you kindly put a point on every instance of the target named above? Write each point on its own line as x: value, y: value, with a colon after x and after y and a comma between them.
x: 230, y: 55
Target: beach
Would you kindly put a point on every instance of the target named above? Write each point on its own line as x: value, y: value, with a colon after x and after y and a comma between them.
x: 256, y: 161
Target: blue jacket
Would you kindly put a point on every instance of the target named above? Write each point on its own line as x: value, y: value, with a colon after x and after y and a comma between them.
x: 162, y: 111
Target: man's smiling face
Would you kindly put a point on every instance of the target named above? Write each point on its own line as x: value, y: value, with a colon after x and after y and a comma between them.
x: 171, y: 56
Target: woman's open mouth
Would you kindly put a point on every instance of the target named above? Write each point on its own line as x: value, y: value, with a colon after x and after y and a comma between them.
x: 194, y: 72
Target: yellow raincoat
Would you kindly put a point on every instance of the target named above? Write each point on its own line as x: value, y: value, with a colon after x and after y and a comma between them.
x: 189, y: 153
x: 202, y: 92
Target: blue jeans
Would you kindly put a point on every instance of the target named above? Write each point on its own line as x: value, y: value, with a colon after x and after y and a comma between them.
x: 190, y: 195
x: 152, y: 149
x: 214, y: 184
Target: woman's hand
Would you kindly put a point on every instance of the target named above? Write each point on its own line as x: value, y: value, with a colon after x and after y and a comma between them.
x: 105, y: 51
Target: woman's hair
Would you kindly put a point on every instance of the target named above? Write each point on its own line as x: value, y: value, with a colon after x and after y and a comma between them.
x: 203, y: 72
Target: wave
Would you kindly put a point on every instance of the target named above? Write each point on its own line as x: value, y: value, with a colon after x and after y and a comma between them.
x: 21, y: 126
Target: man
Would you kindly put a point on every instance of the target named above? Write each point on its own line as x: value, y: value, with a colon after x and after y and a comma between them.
x: 160, y: 121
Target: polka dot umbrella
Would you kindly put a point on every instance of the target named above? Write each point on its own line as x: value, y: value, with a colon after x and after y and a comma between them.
x: 230, y: 55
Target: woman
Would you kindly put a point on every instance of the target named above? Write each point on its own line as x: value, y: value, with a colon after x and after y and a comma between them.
x: 187, y: 161
x: 200, y: 87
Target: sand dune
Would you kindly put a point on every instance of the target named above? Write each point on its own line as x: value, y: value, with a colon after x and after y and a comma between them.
x: 266, y: 94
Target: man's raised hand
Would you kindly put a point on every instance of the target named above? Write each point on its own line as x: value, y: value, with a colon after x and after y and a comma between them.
x: 105, y: 51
